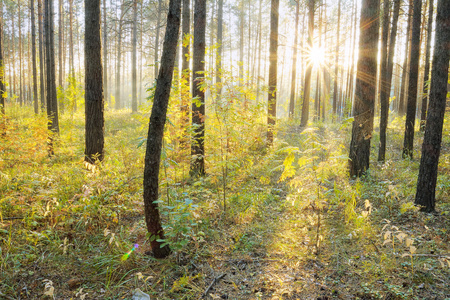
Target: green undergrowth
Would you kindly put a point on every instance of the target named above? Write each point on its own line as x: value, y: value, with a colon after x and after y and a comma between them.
x: 284, y: 223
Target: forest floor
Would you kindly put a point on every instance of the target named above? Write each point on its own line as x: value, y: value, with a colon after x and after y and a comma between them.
x: 292, y: 225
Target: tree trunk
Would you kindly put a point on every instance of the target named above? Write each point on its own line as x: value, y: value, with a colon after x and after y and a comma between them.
x: 21, y: 96
x: 105, y: 55
x: 134, y: 61
x: 388, y: 84
x: 33, y: 53
x: 2, y: 75
x: 158, y: 25
x: 60, y: 51
x: 426, y: 183
x: 185, y: 73
x: 94, y: 101
x: 405, y: 74
x: 219, y: 48
x: 336, y: 66
x: 305, y: 106
x: 273, y: 61
x: 408, y: 142
x: 118, y: 104
x: 365, y: 89
x: 198, y: 94
x: 241, y: 41
x: 52, y: 103
x: 156, y: 131
x: 423, y: 115
x: 294, y: 63
x: 41, y: 55
x: 384, y: 92
x: 258, y: 73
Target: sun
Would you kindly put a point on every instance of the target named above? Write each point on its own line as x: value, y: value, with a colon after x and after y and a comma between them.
x: 317, y: 55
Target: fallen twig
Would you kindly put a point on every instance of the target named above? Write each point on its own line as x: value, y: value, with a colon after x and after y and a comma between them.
x: 216, y: 279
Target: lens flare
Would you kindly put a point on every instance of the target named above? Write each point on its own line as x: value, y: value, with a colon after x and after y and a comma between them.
x: 127, y: 255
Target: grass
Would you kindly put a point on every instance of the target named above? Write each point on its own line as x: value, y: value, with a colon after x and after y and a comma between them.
x: 65, y: 228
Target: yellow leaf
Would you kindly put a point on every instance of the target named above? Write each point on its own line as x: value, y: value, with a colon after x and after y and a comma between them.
x: 412, y: 249
x: 409, y: 242
x: 387, y: 241
x: 387, y: 234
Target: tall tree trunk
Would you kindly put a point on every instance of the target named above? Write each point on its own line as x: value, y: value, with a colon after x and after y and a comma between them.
x: 94, y: 101
x: 118, y: 101
x: 431, y: 147
x: 158, y: 25
x: 2, y: 75
x: 258, y: 75
x: 305, y: 106
x: 33, y: 53
x: 365, y: 88
x: 405, y: 73
x: 273, y: 61
x: 60, y: 51
x: 105, y: 55
x: 52, y: 103
x: 198, y: 94
x: 384, y: 92
x: 21, y: 96
x: 336, y: 66
x: 156, y: 131
x: 241, y: 41
x: 294, y: 63
x: 134, y: 61
x: 219, y: 48
x: 388, y: 84
x: 186, y: 72
x: 408, y: 142
x: 426, y: 76
x: 41, y: 55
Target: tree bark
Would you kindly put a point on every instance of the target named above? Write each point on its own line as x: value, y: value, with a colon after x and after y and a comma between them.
x: 408, y: 142
x: 156, y: 131
x: 198, y: 94
x: 94, y: 101
x: 2, y: 74
x: 186, y: 72
x: 273, y: 61
x: 365, y: 89
x: 294, y: 63
x: 305, y: 106
x: 423, y: 115
x: 118, y: 104
x: 219, y: 48
x: 241, y: 41
x: 426, y: 183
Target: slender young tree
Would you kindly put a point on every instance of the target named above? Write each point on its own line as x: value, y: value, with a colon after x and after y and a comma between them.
x: 273, y: 61
x: 431, y: 147
x: 366, y: 78
x: 384, y: 98
x: 156, y: 131
x: 408, y: 142
x: 198, y: 93
x: 426, y: 77
x: 94, y: 101
x: 307, y: 89
x: 294, y: 62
